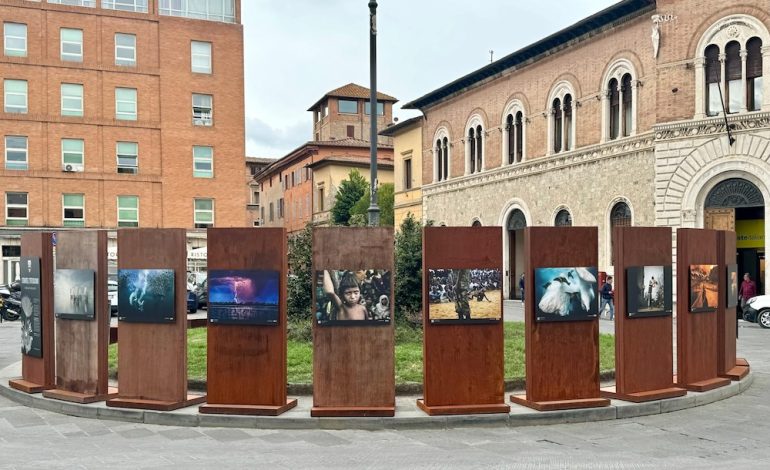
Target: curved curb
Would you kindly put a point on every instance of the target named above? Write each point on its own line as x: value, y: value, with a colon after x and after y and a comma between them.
x: 407, y: 414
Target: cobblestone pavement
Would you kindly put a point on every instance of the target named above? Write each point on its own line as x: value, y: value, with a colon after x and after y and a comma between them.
x: 730, y: 433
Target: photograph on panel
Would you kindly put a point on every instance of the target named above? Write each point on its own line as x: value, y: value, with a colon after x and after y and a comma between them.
x: 353, y: 297
x: 704, y: 287
x: 146, y: 295
x: 566, y: 294
x: 248, y: 297
x: 464, y: 295
x: 74, y: 294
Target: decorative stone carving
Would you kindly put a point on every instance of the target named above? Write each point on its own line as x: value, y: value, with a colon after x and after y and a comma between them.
x: 734, y: 192
x: 656, y: 21
x: 712, y: 126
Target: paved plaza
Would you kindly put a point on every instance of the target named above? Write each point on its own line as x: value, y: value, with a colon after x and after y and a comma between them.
x: 730, y: 433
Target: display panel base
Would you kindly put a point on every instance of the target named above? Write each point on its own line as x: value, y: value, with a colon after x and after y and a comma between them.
x: 26, y: 386
x: 248, y: 410
x: 641, y: 397
x: 741, y: 362
x: 462, y: 409
x: 82, y: 398
x: 737, y: 373
x: 352, y: 411
x: 704, y: 385
x: 560, y: 404
x: 155, y: 405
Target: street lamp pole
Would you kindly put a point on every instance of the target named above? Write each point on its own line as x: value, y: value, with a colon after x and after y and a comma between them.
x: 374, y: 210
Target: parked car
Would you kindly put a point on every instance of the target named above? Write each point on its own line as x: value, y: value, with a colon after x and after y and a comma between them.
x: 112, y: 295
x: 757, y: 310
x: 202, y: 293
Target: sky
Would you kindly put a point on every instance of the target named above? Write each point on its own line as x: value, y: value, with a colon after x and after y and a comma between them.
x: 298, y: 50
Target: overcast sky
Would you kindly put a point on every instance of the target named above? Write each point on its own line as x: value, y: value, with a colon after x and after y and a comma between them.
x: 297, y: 50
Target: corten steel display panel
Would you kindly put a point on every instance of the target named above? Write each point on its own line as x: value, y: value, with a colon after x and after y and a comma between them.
x: 562, y: 358
x: 463, y: 362
x: 696, y: 335
x: 37, y: 373
x: 644, y: 360
x: 152, y: 357
x: 727, y: 323
x: 81, y: 345
x: 246, y: 363
x: 353, y: 366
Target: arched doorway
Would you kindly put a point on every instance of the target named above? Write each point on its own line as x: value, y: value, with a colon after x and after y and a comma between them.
x: 515, y: 227
x: 737, y: 204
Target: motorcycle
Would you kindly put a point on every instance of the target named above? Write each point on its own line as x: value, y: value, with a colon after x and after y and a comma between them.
x: 8, y: 311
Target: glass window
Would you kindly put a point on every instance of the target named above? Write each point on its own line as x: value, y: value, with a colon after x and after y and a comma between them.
x: 72, y: 154
x: 614, y: 95
x: 203, y: 162
x: 128, y: 157
x: 15, y: 96
x: 73, y: 210
x: 16, y: 152
x: 71, y: 44
x: 77, y: 3
x: 16, y: 209
x: 563, y: 219
x: 348, y: 106
x: 15, y: 39
x: 628, y: 105
x: 557, y: 123
x: 125, y: 5
x: 214, y: 10
x: 128, y: 211
x: 408, y: 173
x: 713, y: 76
x: 203, y: 114
x: 754, y: 74
x: 568, y: 144
x: 125, y: 104
x: 380, y: 108
x: 201, y: 56
x: 125, y: 49
x: 734, y: 75
x: 204, y: 213
x: 71, y: 99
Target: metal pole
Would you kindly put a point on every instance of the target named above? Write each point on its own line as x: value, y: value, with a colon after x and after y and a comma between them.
x: 374, y: 210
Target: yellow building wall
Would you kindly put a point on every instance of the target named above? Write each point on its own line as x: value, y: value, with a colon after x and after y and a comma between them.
x: 408, y: 145
x: 329, y: 177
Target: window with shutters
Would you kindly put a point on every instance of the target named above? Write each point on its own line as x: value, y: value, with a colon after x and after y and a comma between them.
x: 614, y: 95
x: 474, y: 145
x: 734, y: 77
x: 441, y: 155
x: 754, y: 74
x: 713, y: 76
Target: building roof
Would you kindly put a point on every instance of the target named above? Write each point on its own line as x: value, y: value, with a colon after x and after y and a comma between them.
x: 611, y: 16
x: 351, y: 161
x: 394, y: 129
x: 311, y: 148
x: 263, y: 160
x: 352, y: 90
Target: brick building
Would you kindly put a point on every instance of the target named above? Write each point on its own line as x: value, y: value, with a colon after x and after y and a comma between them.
x: 614, y: 120
x: 300, y: 187
x: 120, y: 114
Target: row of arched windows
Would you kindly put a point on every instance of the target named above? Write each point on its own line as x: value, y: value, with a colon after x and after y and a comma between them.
x: 734, y: 77
x: 620, y: 216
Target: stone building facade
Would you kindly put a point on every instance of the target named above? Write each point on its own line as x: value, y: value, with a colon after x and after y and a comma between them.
x: 612, y: 121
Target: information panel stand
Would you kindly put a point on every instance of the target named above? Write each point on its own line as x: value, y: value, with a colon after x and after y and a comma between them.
x: 37, y: 373
x: 81, y: 344
x: 562, y: 357
x: 353, y: 366
x: 246, y: 362
x: 696, y: 338
x: 644, y: 361
x: 152, y: 357
x: 463, y: 362
x: 727, y: 362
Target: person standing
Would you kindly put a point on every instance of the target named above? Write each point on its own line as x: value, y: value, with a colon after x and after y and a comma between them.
x: 608, y: 298
x: 521, y: 287
x: 748, y: 290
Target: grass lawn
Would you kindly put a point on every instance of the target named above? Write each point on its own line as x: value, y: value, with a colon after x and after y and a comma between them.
x: 408, y: 355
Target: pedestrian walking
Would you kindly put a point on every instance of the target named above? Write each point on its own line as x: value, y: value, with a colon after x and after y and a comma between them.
x: 607, y: 298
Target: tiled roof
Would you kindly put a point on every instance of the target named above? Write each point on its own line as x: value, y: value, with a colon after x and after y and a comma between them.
x: 353, y: 160
x: 266, y: 160
x: 347, y: 142
x: 391, y: 130
x: 352, y: 90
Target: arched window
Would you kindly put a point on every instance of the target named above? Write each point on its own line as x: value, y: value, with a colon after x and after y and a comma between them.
x: 563, y: 219
x: 472, y: 149
x: 754, y: 74
x: 627, y: 97
x: 734, y: 77
x: 614, y: 92
x: 514, y: 135
x: 510, y: 132
x: 479, y: 148
x: 476, y: 223
x: 441, y: 152
x: 620, y: 216
x: 713, y: 76
x: 519, y: 136
x: 557, y: 125
x: 568, y: 143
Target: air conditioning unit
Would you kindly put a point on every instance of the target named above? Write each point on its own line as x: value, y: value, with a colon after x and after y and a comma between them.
x: 71, y: 168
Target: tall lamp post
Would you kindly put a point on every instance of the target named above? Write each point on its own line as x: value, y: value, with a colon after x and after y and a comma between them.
x: 374, y: 210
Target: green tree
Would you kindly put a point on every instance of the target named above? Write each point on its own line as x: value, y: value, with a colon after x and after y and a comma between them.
x: 349, y: 192
x: 409, y: 271
x: 300, y: 282
x: 385, y: 200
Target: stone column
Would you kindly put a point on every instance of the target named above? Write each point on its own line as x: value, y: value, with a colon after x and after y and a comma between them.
x: 634, y: 105
x: 700, y: 87
x: 723, y: 79
x: 563, y: 127
x: 621, y: 112
x: 605, y: 104
x: 744, y: 102
x: 765, y: 78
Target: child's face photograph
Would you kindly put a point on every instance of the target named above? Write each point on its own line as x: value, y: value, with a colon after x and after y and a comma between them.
x: 352, y: 296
